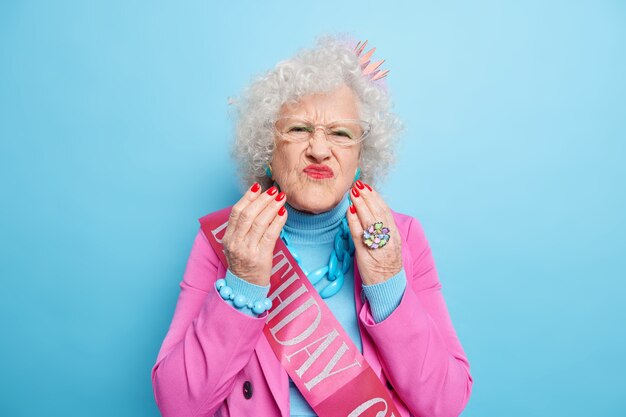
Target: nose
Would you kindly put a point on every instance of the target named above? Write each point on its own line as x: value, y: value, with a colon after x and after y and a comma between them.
x: 319, y: 147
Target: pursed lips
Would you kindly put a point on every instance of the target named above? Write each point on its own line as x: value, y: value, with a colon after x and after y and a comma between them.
x: 319, y: 171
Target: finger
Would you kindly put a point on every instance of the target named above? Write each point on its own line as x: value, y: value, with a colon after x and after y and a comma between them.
x: 354, y: 224
x: 250, y: 213
x: 360, y: 234
x: 249, y: 196
x: 362, y: 211
x: 272, y: 233
x: 261, y: 223
x: 374, y: 199
x: 379, y: 210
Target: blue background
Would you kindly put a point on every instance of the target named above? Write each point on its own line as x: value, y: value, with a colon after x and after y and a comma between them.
x: 114, y: 140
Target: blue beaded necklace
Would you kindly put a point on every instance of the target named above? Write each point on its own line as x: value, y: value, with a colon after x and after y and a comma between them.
x: 343, y: 252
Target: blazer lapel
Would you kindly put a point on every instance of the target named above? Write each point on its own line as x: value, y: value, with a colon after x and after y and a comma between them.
x: 275, y: 375
x: 369, y: 350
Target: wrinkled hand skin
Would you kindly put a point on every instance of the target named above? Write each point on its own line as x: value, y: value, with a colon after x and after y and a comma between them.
x: 375, y: 265
x: 253, y: 228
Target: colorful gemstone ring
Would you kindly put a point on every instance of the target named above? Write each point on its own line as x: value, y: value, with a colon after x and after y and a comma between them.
x: 376, y: 236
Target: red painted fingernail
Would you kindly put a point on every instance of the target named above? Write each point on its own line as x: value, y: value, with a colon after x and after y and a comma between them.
x: 352, y: 209
x: 255, y: 187
x: 359, y: 184
x: 272, y: 190
x: 280, y: 196
x: 368, y: 187
x: 281, y: 211
x: 355, y: 192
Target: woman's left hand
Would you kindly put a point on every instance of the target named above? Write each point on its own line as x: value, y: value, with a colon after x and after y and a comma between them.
x: 380, y: 264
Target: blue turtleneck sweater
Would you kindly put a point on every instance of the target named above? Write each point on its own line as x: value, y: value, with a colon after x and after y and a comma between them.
x: 312, y: 236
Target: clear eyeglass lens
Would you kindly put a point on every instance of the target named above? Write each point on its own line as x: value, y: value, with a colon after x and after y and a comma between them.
x: 342, y: 132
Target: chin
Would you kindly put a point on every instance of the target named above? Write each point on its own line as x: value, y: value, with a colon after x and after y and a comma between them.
x: 314, y: 205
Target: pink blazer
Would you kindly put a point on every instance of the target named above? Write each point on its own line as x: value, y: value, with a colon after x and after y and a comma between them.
x: 215, y: 360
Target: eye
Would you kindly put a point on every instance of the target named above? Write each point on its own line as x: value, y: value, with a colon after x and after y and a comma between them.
x: 299, y: 128
x: 343, y: 133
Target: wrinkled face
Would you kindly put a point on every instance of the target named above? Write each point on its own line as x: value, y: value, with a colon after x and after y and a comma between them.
x: 295, y: 165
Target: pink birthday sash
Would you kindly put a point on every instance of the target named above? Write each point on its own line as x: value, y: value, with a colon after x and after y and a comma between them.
x: 309, y: 342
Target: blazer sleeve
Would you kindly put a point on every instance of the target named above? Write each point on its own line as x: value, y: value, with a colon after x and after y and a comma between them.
x: 419, y: 350
x: 207, y: 344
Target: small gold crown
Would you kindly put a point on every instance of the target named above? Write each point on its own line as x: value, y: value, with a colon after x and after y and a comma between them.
x: 370, y: 69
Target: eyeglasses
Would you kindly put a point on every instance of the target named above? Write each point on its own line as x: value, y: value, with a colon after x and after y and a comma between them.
x: 343, y: 132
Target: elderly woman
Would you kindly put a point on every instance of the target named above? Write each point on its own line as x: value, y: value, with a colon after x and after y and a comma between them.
x: 310, y: 296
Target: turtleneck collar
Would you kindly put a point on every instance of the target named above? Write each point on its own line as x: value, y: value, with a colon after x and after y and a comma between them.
x: 315, y: 228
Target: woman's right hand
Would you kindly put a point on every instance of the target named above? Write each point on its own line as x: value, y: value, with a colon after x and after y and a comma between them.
x: 253, y: 227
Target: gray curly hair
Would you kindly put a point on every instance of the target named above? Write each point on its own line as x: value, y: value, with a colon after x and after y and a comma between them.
x: 331, y: 63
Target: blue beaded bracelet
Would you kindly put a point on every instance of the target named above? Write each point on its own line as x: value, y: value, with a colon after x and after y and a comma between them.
x: 240, y: 301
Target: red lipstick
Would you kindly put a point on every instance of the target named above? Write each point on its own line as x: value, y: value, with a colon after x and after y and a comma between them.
x: 318, y: 171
